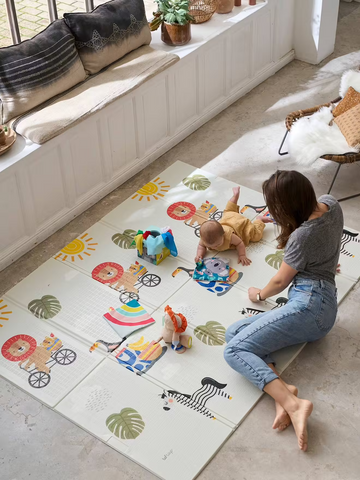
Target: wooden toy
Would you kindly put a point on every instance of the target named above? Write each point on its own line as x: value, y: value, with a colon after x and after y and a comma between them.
x: 174, y: 326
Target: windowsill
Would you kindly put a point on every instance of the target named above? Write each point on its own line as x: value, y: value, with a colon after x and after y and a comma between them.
x: 202, y: 33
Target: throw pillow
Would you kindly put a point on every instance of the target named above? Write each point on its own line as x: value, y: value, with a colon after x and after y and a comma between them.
x: 35, y: 70
x: 109, y: 32
x: 351, y: 99
x: 349, y: 124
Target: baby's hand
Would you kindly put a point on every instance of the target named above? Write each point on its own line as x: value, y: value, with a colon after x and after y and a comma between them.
x: 245, y: 262
x: 197, y: 258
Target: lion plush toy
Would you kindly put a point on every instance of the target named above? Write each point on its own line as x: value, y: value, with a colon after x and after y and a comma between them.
x: 174, y: 326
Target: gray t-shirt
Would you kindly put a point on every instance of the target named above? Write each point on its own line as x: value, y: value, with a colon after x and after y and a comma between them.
x: 313, y: 249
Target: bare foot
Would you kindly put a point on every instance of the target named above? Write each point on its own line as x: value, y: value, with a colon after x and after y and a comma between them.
x: 299, y: 417
x: 282, y: 419
x: 265, y: 219
x: 236, y: 194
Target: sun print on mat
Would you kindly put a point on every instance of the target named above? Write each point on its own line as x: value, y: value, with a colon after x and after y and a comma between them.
x: 77, y: 248
x: 155, y: 189
x: 4, y: 313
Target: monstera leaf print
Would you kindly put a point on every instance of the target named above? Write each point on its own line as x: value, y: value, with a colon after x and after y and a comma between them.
x: 275, y: 259
x: 46, y: 307
x: 125, y: 239
x: 197, y: 182
x: 126, y: 425
x: 212, y: 333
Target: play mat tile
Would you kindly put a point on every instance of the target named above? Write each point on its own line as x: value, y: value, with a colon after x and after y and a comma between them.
x: 169, y: 412
x: 40, y: 358
x: 64, y: 297
x: 134, y: 415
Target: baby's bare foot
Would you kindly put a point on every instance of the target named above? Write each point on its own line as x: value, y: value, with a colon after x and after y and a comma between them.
x: 236, y: 194
x: 282, y: 419
x: 299, y: 417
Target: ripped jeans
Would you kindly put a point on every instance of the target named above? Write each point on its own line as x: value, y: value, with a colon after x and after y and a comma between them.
x: 308, y: 316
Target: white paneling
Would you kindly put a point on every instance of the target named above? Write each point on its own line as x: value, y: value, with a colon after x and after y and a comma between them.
x: 262, y: 52
x: 185, y: 92
x: 214, y: 73
x: 47, y: 186
x: 121, y: 128
x: 12, y: 228
x: 155, y: 113
x: 240, y: 55
x: 86, y: 159
x: 285, y: 25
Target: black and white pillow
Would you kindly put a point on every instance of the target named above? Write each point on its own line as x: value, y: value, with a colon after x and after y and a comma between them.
x: 38, y: 69
x: 109, y: 32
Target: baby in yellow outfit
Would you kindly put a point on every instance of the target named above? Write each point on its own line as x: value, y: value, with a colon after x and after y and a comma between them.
x: 233, y: 231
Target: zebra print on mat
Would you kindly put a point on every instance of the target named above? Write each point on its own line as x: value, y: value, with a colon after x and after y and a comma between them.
x: 346, y: 238
x: 197, y: 401
x: 38, y: 69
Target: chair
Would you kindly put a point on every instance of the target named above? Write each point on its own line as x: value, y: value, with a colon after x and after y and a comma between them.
x: 349, y: 157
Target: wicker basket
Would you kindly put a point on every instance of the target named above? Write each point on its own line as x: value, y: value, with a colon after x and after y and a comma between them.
x: 202, y: 10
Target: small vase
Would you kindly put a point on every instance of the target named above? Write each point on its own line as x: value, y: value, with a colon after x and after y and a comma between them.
x: 252, y: 2
x: 224, y: 6
x: 237, y: 3
x: 174, y: 34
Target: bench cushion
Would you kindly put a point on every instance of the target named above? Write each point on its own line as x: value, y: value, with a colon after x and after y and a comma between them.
x: 37, y: 69
x: 109, y: 32
x: 93, y: 94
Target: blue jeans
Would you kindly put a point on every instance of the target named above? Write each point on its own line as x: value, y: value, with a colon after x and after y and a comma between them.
x: 308, y: 316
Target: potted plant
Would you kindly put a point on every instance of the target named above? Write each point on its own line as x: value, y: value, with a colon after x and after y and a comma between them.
x: 174, y: 18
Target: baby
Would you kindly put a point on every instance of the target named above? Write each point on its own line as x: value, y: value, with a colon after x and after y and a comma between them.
x: 233, y: 231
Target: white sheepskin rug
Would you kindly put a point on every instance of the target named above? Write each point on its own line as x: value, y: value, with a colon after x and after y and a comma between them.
x: 312, y: 137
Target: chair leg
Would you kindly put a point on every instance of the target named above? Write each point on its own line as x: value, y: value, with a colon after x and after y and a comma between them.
x: 332, y: 184
x: 333, y: 180
x: 282, y: 144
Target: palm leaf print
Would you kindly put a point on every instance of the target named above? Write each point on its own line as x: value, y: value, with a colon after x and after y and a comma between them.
x: 126, y: 425
x: 125, y: 239
x: 197, y: 182
x: 275, y: 259
x: 212, y: 333
x: 45, y: 307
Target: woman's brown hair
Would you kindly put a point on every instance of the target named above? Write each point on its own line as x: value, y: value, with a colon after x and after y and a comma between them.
x: 291, y: 200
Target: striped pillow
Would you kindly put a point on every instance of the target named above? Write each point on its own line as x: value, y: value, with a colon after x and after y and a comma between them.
x: 109, y: 32
x: 38, y: 69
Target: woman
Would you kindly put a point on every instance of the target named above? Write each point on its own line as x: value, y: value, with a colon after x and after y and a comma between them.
x: 310, y: 232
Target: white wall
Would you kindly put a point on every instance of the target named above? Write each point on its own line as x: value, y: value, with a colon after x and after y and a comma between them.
x: 315, y: 29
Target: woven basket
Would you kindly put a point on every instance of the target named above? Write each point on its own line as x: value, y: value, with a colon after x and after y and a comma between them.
x: 294, y: 116
x: 202, y: 10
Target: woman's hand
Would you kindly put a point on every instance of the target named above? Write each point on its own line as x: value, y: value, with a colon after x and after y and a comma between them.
x: 338, y: 268
x: 253, y: 294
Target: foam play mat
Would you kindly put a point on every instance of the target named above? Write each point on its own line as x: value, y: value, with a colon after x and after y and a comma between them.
x: 82, y: 334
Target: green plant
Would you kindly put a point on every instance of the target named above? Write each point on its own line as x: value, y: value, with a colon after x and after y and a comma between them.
x: 127, y: 424
x: 212, y: 333
x: 45, y: 307
x: 275, y: 259
x: 171, y: 11
x: 125, y: 239
x: 197, y: 182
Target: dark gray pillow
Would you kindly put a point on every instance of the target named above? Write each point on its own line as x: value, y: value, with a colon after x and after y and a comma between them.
x: 37, y: 69
x: 109, y: 32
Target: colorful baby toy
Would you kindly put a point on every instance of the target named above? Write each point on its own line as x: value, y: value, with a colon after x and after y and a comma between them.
x: 212, y: 269
x: 174, y: 326
x: 154, y: 245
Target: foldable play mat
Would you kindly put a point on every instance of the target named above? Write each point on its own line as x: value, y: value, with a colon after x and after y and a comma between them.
x: 62, y: 326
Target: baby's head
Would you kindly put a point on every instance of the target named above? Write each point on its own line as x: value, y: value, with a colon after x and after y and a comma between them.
x: 212, y: 234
